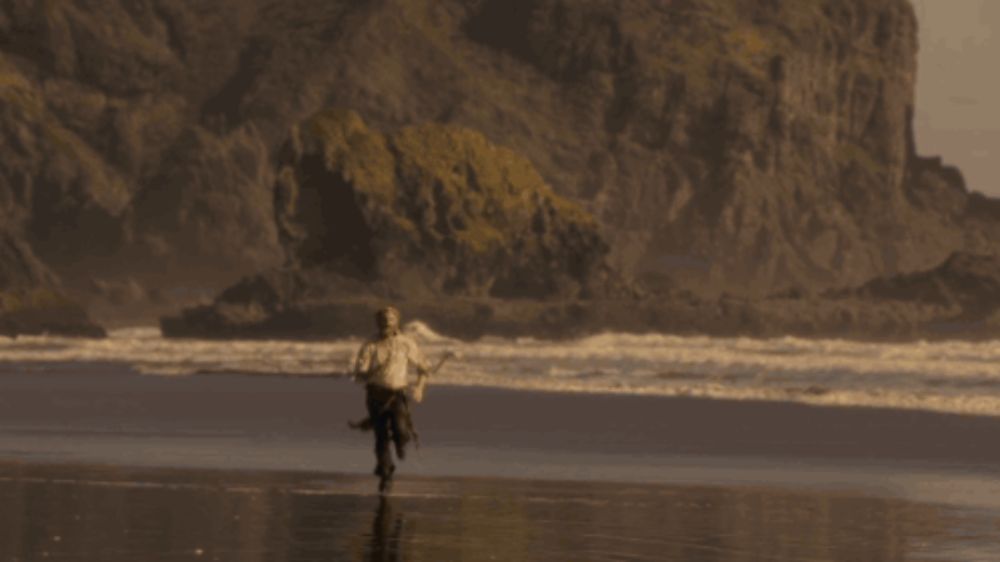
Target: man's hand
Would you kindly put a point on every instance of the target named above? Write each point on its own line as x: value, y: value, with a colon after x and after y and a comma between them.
x: 424, y: 375
x: 418, y: 389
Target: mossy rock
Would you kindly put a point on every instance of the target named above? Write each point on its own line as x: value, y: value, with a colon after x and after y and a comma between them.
x: 432, y: 209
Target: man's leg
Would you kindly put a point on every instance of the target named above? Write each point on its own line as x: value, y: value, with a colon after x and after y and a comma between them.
x: 380, y: 416
x: 400, y: 421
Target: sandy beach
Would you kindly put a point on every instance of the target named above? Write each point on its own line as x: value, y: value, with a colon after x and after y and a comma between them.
x: 100, y: 463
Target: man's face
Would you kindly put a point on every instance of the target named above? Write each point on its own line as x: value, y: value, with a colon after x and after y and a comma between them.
x: 388, y: 322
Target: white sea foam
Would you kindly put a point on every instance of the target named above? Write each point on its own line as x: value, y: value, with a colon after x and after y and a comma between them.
x: 960, y: 377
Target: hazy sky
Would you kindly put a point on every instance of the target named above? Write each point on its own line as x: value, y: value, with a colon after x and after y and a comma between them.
x: 958, y: 87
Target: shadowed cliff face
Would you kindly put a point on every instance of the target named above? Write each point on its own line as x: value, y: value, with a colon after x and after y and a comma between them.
x: 723, y: 145
x: 19, y: 267
x: 31, y: 301
x: 109, y: 168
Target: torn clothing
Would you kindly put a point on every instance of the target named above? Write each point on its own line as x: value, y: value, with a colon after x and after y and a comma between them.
x: 389, y: 413
x: 384, y: 361
x: 366, y: 424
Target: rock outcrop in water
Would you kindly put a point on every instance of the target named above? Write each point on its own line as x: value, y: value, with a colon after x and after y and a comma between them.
x: 966, y: 285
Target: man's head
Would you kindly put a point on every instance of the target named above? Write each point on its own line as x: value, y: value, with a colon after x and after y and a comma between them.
x: 387, y: 320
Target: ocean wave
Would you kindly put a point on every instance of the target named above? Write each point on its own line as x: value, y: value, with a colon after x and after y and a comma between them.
x: 423, y: 333
x: 960, y: 377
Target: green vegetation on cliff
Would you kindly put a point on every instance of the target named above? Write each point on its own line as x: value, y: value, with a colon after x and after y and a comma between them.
x: 432, y: 209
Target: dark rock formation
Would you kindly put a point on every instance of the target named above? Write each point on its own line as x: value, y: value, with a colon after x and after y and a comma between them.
x: 966, y: 285
x: 31, y: 301
x: 472, y: 318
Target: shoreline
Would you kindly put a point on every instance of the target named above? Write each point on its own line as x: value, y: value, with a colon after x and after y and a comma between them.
x: 954, y: 377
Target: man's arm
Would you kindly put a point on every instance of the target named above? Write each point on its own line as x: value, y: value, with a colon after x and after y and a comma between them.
x: 363, y: 363
x: 417, y: 359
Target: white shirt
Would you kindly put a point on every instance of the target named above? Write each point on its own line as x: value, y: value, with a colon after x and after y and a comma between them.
x: 387, y: 359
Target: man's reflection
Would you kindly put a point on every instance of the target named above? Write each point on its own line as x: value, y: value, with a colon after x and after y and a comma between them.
x: 387, y: 528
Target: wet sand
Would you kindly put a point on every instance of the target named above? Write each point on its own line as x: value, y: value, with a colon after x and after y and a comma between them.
x: 120, y: 466
x: 73, y: 512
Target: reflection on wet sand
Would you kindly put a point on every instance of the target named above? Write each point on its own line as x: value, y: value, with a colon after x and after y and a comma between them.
x: 88, y: 513
x: 387, y: 530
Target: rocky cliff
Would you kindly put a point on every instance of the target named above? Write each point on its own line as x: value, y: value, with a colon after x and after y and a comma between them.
x: 746, y: 147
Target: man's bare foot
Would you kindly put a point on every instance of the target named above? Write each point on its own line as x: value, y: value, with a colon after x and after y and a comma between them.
x: 385, y: 481
x: 385, y: 486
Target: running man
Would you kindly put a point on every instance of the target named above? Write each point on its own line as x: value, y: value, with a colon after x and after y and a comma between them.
x: 382, y: 364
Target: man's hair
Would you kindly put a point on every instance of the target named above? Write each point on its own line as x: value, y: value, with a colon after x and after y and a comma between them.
x: 384, y: 313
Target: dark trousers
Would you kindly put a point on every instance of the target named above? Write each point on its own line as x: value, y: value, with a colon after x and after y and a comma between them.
x: 390, y: 417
